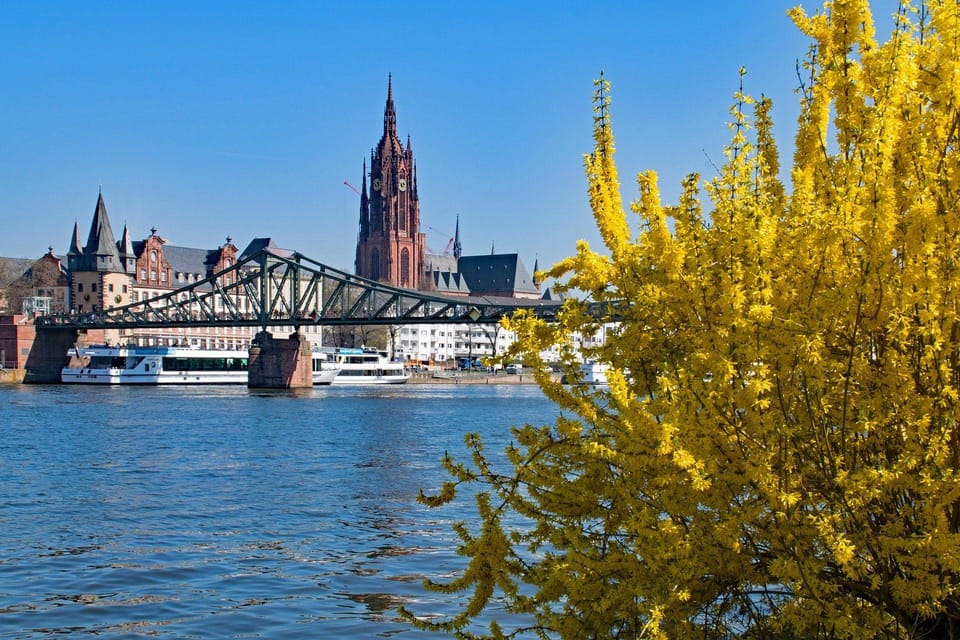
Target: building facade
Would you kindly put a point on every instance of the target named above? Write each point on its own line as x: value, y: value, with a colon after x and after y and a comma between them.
x: 104, y: 273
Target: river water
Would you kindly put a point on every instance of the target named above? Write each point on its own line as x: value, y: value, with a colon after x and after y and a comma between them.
x: 223, y: 512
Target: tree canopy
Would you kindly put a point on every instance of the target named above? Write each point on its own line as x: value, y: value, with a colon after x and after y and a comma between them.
x: 777, y: 454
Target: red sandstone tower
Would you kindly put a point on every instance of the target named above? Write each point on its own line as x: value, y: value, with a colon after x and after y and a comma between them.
x: 390, y: 247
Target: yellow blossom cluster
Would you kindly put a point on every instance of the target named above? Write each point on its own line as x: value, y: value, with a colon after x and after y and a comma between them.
x: 777, y: 454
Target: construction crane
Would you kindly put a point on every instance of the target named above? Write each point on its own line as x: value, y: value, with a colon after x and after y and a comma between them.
x: 352, y: 188
x: 446, y: 251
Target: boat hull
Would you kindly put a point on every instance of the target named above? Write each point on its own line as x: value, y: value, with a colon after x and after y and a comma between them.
x: 359, y: 366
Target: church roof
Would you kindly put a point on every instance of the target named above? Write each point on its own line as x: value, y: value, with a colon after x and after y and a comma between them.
x: 502, y: 272
x: 439, y: 262
x: 447, y: 282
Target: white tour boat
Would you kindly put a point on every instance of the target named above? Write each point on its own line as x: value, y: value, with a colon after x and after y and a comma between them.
x: 131, y: 364
x: 594, y: 373
x: 359, y: 366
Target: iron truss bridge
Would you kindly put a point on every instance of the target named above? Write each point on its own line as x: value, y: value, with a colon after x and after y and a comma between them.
x: 267, y: 289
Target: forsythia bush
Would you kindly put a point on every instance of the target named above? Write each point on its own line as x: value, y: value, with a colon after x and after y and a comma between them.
x: 778, y: 452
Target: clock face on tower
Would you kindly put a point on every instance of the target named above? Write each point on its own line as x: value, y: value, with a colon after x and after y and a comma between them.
x: 376, y: 184
x: 402, y: 184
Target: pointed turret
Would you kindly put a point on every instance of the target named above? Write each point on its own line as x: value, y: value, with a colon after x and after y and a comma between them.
x: 493, y: 249
x: 100, y: 252
x: 457, y: 249
x: 364, y: 204
x: 75, y: 252
x: 536, y: 268
x: 127, y: 256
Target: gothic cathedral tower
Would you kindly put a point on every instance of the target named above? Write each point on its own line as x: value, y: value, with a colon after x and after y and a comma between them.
x: 390, y: 247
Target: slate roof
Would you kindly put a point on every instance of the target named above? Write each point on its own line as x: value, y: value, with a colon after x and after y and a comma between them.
x: 188, y: 260
x: 447, y: 282
x: 498, y: 273
x: 437, y: 262
x: 100, y: 252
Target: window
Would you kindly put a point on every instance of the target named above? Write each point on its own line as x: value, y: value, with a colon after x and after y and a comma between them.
x: 143, y: 274
x: 153, y: 256
x: 110, y: 287
x: 405, y: 268
x: 123, y: 288
x: 163, y: 276
x: 79, y: 286
x: 153, y: 274
x: 93, y: 287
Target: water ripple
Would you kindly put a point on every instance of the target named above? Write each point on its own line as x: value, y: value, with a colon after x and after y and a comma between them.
x: 205, y: 512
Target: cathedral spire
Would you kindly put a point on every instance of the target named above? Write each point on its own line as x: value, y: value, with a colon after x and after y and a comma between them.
x: 390, y: 112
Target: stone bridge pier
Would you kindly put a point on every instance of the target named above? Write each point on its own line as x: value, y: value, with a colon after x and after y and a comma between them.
x: 280, y: 364
x: 49, y: 352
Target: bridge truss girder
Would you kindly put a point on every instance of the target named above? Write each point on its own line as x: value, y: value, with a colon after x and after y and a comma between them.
x: 268, y: 289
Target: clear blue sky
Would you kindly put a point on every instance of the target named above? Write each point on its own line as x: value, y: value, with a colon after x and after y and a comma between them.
x: 208, y: 119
